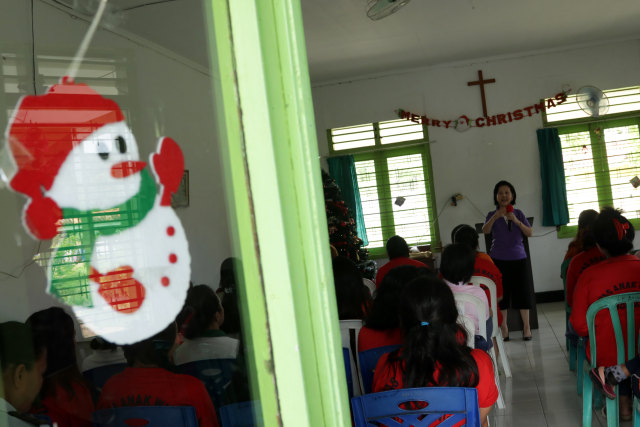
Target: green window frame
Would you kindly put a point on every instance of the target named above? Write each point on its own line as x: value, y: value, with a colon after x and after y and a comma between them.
x: 601, y: 157
x: 382, y: 211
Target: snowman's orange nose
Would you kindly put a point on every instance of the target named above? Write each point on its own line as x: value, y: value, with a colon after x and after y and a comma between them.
x: 124, y: 169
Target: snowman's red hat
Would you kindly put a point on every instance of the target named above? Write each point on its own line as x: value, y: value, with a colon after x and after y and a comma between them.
x: 42, y: 132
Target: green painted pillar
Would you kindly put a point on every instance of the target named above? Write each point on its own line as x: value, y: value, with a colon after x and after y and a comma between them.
x: 274, y: 192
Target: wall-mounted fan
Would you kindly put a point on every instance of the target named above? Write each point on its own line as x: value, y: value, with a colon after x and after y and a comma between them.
x: 378, y: 9
x: 592, y: 101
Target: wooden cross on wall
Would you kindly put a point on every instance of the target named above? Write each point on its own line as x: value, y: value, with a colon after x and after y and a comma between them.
x: 481, y: 82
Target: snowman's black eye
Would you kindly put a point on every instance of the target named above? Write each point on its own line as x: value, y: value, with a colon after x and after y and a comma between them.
x: 103, y: 151
x: 122, y: 145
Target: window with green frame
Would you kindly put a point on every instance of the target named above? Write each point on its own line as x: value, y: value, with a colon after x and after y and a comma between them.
x: 601, y: 156
x: 393, y: 167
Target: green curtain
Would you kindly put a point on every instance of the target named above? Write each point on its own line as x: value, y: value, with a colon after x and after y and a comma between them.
x: 343, y: 170
x: 555, y: 210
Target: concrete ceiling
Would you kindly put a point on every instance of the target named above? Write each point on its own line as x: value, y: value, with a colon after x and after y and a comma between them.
x: 342, y: 43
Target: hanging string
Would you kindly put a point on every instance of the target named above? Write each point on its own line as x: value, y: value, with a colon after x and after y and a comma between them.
x: 82, y: 50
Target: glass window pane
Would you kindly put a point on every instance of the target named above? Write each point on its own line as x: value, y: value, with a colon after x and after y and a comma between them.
x: 395, y: 131
x: 623, y: 156
x: 112, y: 261
x: 409, y: 196
x: 579, y: 174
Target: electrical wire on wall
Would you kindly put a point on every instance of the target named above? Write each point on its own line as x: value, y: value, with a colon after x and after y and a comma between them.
x: 23, y: 267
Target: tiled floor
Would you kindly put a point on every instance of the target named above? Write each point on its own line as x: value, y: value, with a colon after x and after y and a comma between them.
x: 542, y: 390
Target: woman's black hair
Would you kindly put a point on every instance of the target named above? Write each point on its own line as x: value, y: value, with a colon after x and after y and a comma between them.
x: 152, y: 351
x: 228, y: 280
x: 204, y: 304
x: 585, y: 236
x: 457, y: 263
x: 428, y: 315
x: 613, y: 232
x: 497, y: 187
x: 397, y: 247
x: 465, y: 234
x: 54, y: 330
x: 99, y: 343
x: 352, y: 295
x: 384, y: 313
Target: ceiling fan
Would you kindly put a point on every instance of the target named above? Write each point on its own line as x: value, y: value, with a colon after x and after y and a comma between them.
x: 378, y: 9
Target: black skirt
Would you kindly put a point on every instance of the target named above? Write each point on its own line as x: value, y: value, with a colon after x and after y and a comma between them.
x: 516, y: 286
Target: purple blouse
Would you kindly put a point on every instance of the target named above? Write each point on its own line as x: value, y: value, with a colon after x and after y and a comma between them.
x: 507, y: 245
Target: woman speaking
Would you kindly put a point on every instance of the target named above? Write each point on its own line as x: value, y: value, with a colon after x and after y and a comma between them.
x: 507, y: 226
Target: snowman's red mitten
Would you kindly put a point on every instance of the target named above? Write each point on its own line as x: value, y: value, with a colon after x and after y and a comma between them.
x: 42, y: 216
x: 168, y: 164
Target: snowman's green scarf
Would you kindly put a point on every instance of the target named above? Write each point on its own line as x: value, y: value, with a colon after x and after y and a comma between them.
x: 73, y: 247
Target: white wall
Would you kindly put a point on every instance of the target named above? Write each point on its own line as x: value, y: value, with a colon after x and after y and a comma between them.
x: 473, y: 161
x: 170, y: 97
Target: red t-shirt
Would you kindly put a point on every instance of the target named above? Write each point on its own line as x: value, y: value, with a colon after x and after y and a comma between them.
x: 66, y: 409
x: 395, y: 263
x: 578, y: 264
x: 388, y: 376
x: 372, y: 338
x: 158, y: 387
x: 485, y: 267
x: 612, y: 276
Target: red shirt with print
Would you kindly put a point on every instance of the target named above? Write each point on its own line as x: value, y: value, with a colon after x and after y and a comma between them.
x: 612, y: 276
x: 388, y: 376
x: 372, y: 338
x: 158, y: 387
x: 578, y: 264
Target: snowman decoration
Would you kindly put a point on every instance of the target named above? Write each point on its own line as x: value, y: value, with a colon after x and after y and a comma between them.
x: 120, y: 257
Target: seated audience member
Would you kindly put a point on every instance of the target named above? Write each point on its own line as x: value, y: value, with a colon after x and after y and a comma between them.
x: 147, y: 382
x: 382, y: 325
x: 456, y: 268
x: 104, y: 354
x: 203, y: 337
x: 22, y: 370
x: 614, y: 234
x: 585, y: 220
x: 483, y: 265
x: 606, y: 378
x: 65, y: 396
x: 398, y: 253
x: 352, y: 296
x: 433, y: 355
x: 205, y: 340
x: 228, y: 293
x: 590, y: 253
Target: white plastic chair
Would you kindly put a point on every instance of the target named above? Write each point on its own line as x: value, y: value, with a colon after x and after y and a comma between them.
x: 370, y: 285
x: 504, y: 360
x: 349, y: 328
x: 480, y: 307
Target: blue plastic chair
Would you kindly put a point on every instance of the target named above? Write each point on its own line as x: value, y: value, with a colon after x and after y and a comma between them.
x: 216, y: 375
x: 243, y: 414
x: 99, y: 376
x: 346, y: 355
x: 457, y: 404
x: 610, y: 304
x: 368, y: 361
x: 127, y: 416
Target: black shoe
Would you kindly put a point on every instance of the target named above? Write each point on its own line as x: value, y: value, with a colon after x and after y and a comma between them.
x: 529, y: 338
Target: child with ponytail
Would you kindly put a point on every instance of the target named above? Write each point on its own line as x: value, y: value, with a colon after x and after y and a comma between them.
x: 434, y: 353
x: 617, y: 274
